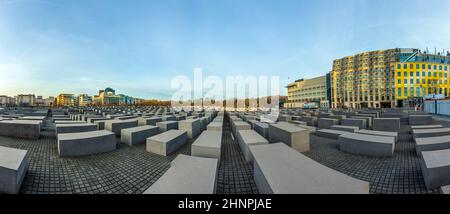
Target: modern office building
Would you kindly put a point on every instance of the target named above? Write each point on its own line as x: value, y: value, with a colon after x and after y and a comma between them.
x: 388, y: 78
x: 109, y: 97
x: 308, y: 93
x: 25, y: 100
x: 84, y: 100
x: 7, y: 101
x: 65, y: 100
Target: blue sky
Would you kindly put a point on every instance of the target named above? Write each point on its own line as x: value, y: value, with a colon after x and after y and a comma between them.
x: 137, y: 47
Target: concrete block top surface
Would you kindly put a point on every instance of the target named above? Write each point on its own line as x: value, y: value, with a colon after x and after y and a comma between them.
x: 187, y: 175
x: 74, y: 125
x: 386, y: 119
x: 370, y: 138
x: 121, y: 121
x: 139, y: 128
x: 427, y: 127
x: 80, y: 135
x: 432, y: 140
x: 167, y: 122
x: 211, y: 139
x: 439, y: 130
x: 288, y: 171
x: 252, y: 137
x: 25, y: 122
x: 345, y: 127
x: 188, y: 121
x: 11, y: 158
x: 288, y: 127
x: 382, y: 133
x: 168, y: 135
x: 332, y: 131
x: 437, y: 158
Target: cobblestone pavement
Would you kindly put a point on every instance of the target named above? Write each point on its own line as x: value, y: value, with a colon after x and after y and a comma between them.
x: 235, y: 174
x: 132, y: 170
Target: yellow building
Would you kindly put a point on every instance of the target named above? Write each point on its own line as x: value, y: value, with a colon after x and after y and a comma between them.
x: 65, y: 100
x: 388, y: 78
x: 307, y: 93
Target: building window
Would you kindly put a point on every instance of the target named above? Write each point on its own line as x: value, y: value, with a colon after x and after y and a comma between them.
x: 423, y: 81
x: 435, y: 67
x: 418, y: 92
x: 445, y: 68
x: 405, y: 81
x: 405, y: 93
x: 411, y: 91
x: 417, y: 74
x: 417, y: 66
x: 434, y: 74
x: 429, y: 67
x: 399, y: 92
x: 423, y: 66
x: 411, y: 81
x: 411, y: 66
x: 417, y: 81
x: 440, y: 67
x: 399, y: 66
x: 411, y: 74
x: 423, y: 73
x: 405, y: 66
x: 429, y: 74
x: 405, y: 74
x: 399, y: 81
x: 399, y: 74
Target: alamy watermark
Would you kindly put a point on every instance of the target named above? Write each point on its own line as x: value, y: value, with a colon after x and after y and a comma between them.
x: 234, y: 93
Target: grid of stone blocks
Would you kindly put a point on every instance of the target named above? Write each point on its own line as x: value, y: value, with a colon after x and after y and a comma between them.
x: 131, y: 170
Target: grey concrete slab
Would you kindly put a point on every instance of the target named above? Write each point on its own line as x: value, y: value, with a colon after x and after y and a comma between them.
x: 432, y: 143
x: 247, y: 138
x: 76, y: 127
x: 329, y: 133
x: 386, y: 124
x: 291, y: 135
x: 262, y: 129
x: 28, y: 129
x: 369, y: 145
x: 86, y: 143
x: 215, y: 126
x: 421, y: 133
x: 351, y: 129
x: 208, y: 145
x: 368, y: 120
x: 166, y: 143
x: 379, y: 133
x: 187, y: 175
x: 117, y: 125
x: 167, y: 125
x: 420, y: 119
x: 326, y: 123
x: 279, y: 169
x: 427, y: 127
x: 143, y: 121
x: 138, y: 135
x: 436, y: 168
x: 361, y: 123
x: 13, y: 168
x: 193, y: 127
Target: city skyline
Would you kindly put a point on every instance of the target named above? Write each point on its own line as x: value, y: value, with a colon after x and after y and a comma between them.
x: 49, y: 47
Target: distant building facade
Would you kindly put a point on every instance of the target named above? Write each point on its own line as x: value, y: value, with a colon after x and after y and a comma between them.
x: 25, y: 100
x: 108, y: 96
x: 308, y: 93
x: 65, y: 100
x: 388, y: 78
x: 84, y: 100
